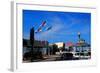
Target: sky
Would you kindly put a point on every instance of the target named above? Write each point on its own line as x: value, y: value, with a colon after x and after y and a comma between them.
x: 65, y: 25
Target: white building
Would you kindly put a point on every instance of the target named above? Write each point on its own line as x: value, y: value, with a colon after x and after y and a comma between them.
x: 60, y: 44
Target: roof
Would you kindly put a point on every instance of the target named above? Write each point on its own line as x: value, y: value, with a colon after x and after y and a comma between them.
x: 69, y: 44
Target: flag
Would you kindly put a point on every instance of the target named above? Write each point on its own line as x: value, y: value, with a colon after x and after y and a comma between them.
x: 39, y: 29
x: 50, y: 27
x: 43, y: 23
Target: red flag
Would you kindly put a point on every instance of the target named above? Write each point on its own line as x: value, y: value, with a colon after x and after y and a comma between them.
x: 43, y: 23
x: 39, y: 29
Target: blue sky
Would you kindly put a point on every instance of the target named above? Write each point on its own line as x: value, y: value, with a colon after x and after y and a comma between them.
x: 65, y: 25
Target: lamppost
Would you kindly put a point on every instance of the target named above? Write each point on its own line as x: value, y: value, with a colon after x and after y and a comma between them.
x: 79, y: 35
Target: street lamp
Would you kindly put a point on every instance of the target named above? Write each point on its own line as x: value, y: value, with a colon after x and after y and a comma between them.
x: 79, y: 35
x: 79, y: 43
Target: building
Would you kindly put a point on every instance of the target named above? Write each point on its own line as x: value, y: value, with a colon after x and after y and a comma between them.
x: 60, y: 44
x: 69, y: 46
x: 82, y: 46
x: 40, y: 48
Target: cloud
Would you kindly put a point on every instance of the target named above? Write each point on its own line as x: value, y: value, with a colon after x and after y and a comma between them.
x: 57, y: 26
x: 61, y: 29
x: 50, y: 34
